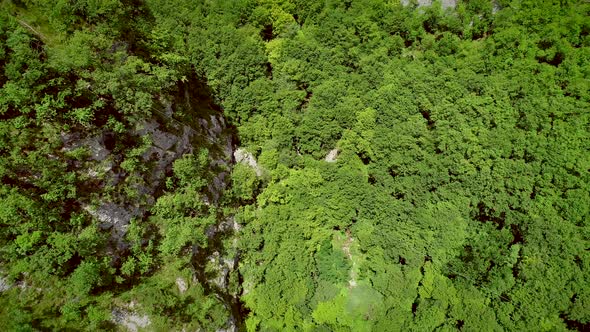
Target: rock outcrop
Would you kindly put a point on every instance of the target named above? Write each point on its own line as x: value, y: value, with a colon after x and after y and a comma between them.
x: 421, y: 3
x: 126, y: 173
x: 159, y: 141
x: 246, y: 158
x: 115, y: 218
x: 446, y: 4
x: 181, y: 284
x: 4, y: 284
x: 332, y: 156
x: 132, y: 321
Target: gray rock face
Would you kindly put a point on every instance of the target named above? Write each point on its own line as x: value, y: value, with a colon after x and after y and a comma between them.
x: 421, y: 3
x: 181, y: 284
x: 4, y: 284
x: 332, y: 156
x: 163, y: 140
x: 229, y: 224
x: 133, y: 186
x: 223, y: 266
x: 246, y: 158
x: 231, y: 327
x: 495, y: 7
x: 112, y: 214
x: 165, y: 149
x: 447, y: 4
x: 116, y: 218
x: 130, y: 320
x: 215, y: 131
x: 94, y: 144
x: 170, y: 139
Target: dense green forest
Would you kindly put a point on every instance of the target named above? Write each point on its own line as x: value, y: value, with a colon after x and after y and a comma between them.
x: 294, y: 165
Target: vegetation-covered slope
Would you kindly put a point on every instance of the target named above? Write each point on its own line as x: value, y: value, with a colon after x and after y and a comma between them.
x: 456, y: 194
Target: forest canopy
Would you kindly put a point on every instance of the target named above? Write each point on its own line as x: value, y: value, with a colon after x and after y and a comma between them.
x: 293, y: 165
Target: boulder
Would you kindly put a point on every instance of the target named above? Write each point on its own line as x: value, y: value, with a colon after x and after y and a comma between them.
x: 246, y: 158
x: 332, y: 156
x: 132, y: 321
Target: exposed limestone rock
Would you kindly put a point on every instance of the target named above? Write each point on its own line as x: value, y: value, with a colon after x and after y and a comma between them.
x: 216, y: 261
x: 22, y: 284
x: 92, y: 173
x: 222, y: 265
x: 352, y: 282
x: 245, y: 157
x: 247, y: 287
x: 170, y: 140
x: 421, y: 3
x: 168, y: 110
x: 221, y: 279
x: 229, y: 262
x: 181, y: 284
x: 97, y: 149
x: 215, y: 128
x: 130, y: 320
x: 166, y: 148
x: 163, y: 140
x: 231, y: 327
x: 114, y: 217
x: 332, y: 156
x: 495, y: 7
x: 4, y: 284
x: 95, y: 145
x: 447, y: 4
x: 217, y: 134
x: 229, y: 224
x: 101, y: 169
x: 133, y: 187
x: 218, y: 185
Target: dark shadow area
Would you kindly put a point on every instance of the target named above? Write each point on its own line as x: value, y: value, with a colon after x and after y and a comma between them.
x: 516, y: 234
x: 574, y: 324
x: 429, y: 121
x: 402, y: 260
x: 485, y: 214
x: 195, y: 107
x: 460, y: 324
x: 267, y: 33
